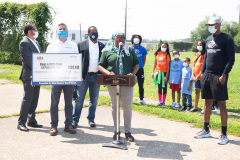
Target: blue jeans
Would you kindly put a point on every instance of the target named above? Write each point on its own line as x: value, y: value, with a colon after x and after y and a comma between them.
x: 186, y: 97
x: 91, y: 83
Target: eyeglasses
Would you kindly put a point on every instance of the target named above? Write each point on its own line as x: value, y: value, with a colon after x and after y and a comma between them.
x: 120, y: 38
x: 34, y: 29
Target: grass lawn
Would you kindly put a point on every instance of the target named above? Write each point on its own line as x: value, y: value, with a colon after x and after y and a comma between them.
x: 12, y: 72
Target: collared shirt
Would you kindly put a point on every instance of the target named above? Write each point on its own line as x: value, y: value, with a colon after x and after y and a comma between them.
x: 35, y: 44
x: 58, y: 46
x: 93, y: 56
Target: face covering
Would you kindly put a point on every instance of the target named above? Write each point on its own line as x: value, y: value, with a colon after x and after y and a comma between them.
x: 176, y: 56
x: 163, y: 49
x: 36, y: 35
x: 185, y: 64
x: 94, y: 36
x: 136, y: 40
x: 212, y: 29
x: 62, y: 34
x: 199, y: 48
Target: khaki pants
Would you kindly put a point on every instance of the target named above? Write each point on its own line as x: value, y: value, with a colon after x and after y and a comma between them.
x: 126, y: 97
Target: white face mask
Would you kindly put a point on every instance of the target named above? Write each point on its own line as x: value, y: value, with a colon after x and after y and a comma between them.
x: 136, y: 40
x: 212, y: 29
x: 36, y: 35
x: 199, y: 48
x: 176, y: 56
x: 185, y: 64
x: 163, y: 49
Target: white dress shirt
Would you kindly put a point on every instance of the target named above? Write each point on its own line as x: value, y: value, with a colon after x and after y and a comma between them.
x: 35, y: 44
x: 58, y: 46
x: 93, y: 56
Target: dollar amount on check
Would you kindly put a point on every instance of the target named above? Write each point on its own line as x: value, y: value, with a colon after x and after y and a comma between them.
x: 57, y: 69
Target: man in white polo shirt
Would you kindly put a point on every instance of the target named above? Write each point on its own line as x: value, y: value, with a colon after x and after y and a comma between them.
x: 62, y: 45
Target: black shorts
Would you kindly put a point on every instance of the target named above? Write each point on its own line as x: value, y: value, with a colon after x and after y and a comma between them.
x: 211, y: 88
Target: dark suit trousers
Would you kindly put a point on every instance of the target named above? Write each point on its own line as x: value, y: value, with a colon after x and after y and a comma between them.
x: 55, y: 97
x: 29, y: 103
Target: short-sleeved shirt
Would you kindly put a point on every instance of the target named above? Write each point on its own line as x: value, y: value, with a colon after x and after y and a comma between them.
x: 162, y: 59
x: 140, y: 52
x: 108, y: 61
x: 58, y: 46
x: 186, y: 78
x: 175, y: 71
x: 197, y: 63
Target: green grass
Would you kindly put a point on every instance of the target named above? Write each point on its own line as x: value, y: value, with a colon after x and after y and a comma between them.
x: 12, y: 72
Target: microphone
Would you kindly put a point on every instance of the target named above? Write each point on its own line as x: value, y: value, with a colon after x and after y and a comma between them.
x: 118, y: 54
x: 120, y: 46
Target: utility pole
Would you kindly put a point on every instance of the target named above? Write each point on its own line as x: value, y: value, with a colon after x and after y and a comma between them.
x: 80, y: 32
x: 125, y: 31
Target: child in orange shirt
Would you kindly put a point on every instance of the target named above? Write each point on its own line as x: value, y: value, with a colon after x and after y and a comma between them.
x: 161, y: 64
x: 196, y: 72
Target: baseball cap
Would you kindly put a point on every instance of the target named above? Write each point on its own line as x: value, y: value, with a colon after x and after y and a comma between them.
x: 213, y: 20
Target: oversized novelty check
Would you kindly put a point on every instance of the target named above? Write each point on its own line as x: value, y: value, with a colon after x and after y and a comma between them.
x: 57, y: 69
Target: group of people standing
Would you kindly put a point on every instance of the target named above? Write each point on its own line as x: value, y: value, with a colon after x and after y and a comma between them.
x: 212, y: 63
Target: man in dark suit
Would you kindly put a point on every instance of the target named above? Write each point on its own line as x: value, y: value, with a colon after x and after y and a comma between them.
x: 28, y: 46
x: 91, y: 50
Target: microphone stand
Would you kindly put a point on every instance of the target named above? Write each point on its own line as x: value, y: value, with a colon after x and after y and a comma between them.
x: 117, y: 143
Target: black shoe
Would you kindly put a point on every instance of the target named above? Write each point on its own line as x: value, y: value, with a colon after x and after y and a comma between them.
x: 193, y: 110
x: 183, y: 108
x: 74, y: 125
x: 22, y: 127
x: 91, y: 124
x: 129, y: 137
x: 34, y: 124
x: 115, y: 136
x: 188, y: 109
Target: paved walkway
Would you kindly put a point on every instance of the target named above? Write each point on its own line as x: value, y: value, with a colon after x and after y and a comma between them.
x: 156, y: 138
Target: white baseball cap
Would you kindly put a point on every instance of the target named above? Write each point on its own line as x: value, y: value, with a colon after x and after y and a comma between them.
x: 213, y: 20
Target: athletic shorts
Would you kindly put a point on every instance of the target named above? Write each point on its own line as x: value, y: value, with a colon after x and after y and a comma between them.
x: 175, y: 87
x: 211, y: 88
x: 197, y: 84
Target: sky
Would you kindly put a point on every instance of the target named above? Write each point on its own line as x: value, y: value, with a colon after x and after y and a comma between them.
x: 152, y: 19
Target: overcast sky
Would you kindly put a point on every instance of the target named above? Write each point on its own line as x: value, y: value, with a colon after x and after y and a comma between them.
x: 153, y: 19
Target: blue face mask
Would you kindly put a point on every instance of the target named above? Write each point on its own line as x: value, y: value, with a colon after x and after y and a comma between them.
x: 94, y: 36
x: 62, y: 34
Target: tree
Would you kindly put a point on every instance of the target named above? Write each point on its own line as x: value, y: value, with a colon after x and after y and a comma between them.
x: 13, y: 17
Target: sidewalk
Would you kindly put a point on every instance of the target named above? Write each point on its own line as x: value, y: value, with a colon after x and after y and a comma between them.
x: 156, y: 138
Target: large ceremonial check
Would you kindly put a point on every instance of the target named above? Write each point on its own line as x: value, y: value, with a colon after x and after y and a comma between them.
x: 57, y: 69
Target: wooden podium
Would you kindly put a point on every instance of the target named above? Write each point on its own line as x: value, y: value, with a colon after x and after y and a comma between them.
x: 116, y: 80
x: 121, y: 80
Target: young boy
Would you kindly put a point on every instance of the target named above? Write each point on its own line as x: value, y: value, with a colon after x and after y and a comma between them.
x: 175, y: 78
x: 186, y: 85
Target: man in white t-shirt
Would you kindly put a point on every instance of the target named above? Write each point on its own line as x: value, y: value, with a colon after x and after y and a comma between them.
x: 62, y: 45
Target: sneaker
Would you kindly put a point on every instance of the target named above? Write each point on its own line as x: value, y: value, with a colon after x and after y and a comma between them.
x: 142, y: 102
x: 173, y: 104
x: 163, y: 104
x: 183, y: 108
x: 177, y: 106
x: 223, y: 139
x: 201, y: 113
x: 203, y: 134
x: 129, y: 137
x: 159, y: 104
x: 92, y: 123
x: 188, y: 109
x: 216, y: 108
x: 193, y: 110
x: 115, y: 136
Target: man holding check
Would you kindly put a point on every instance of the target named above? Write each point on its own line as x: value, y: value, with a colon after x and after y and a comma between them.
x: 62, y: 45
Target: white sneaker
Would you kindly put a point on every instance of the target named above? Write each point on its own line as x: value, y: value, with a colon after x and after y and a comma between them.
x: 203, y: 134
x: 142, y: 102
x: 177, y: 106
x: 173, y: 104
x: 223, y: 139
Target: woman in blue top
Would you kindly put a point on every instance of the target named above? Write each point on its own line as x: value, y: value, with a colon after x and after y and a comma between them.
x: 141, y: 53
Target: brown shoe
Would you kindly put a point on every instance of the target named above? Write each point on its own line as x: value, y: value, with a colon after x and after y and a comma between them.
x: 53, y: 132
x: 70, y: 129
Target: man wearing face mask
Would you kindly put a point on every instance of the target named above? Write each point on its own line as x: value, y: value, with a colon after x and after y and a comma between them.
x: 91, y: 50
x: 218, y: 62
x: 62, y: 45
x: 141, y: 53
x: 28, y: 46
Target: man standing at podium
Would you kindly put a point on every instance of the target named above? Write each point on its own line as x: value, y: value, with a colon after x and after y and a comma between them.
x: 91, y: 50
